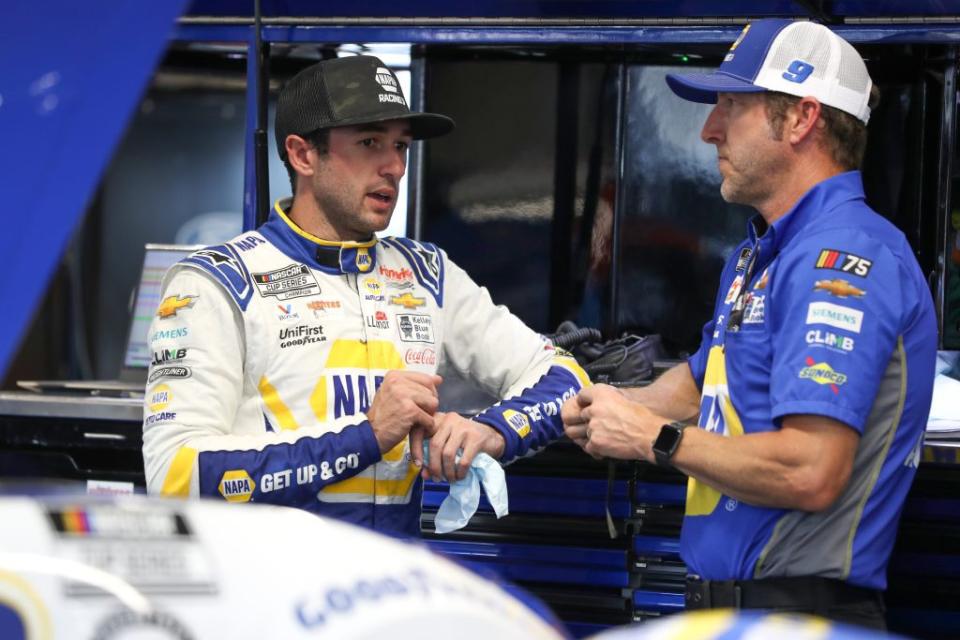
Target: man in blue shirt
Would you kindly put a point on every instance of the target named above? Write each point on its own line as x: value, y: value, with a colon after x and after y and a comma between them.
x: 814, y: 376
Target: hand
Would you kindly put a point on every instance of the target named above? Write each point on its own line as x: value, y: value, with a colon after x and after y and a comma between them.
x: 607, y: 424
x: 405, y: 400
x: 453, y: 432
x: 574, y: 424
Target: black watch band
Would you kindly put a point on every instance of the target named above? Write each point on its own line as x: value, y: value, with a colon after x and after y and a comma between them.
x: 667, y: 442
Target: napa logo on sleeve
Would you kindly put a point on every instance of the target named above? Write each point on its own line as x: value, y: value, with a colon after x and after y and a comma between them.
x: 236, y: 485
x: 160, y: 397
x: 519, y: 422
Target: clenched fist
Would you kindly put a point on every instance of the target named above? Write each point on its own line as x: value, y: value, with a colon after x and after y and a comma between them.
x: 606, y: 423
x: 405, y: 400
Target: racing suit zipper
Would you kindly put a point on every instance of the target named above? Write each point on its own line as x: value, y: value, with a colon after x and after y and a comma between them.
x: 355, y: 278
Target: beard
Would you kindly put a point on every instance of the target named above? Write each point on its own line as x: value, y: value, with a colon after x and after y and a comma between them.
x: 346, y: 213
x: 753, y: 176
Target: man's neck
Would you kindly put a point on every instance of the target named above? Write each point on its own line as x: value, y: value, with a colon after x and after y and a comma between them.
x: 796, y: 182
x: 305, y: 213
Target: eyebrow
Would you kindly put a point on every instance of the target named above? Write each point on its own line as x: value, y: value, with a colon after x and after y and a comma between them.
x: 376, y: 127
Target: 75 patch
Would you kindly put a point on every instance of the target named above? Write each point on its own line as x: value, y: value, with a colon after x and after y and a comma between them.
x: 845, y: 262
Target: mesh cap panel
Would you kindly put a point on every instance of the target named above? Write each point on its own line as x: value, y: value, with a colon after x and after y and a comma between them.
x: 810, y: 45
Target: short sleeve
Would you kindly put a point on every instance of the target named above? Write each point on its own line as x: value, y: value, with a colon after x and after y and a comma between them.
x: 835, y: 315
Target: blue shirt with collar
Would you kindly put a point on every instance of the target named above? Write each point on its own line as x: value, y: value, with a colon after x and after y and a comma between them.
x: 825, y: 312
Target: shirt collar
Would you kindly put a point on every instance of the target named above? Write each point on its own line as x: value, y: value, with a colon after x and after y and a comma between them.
x: 813, y: 206
x: 325, y: 255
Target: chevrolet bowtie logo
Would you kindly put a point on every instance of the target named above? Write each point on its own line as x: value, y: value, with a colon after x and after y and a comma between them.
x: 839, y: 287
x: 171, y: 304
x: 407, y: 301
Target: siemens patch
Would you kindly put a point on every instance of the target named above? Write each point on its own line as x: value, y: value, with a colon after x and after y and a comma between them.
x: 835, y: 315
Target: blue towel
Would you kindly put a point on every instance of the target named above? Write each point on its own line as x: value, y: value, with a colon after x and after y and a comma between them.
x: 457, y: 508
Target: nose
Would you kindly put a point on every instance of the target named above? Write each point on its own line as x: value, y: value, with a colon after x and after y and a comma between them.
x: 394, y: 164
x: 712, y: 132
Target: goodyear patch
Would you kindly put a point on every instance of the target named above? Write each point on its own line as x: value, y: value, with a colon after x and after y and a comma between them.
x: 843, y: 261
x: 236, y: 485
x: 518, y: 421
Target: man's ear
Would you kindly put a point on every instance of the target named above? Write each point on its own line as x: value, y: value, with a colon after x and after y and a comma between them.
x: 298, y: 154
x: 802, y: 119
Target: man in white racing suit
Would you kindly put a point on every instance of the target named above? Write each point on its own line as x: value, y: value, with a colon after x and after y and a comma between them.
x: 296, y: 364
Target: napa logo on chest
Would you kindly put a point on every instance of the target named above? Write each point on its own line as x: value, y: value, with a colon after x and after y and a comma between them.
x: 345, y: 394
x: 236, y: 485
x: 352, y: 373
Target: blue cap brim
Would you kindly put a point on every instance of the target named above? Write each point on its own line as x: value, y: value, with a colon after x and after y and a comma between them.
x: 704, y: 87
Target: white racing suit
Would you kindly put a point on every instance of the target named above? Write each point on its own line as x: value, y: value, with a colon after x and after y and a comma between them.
x: 269, y: 349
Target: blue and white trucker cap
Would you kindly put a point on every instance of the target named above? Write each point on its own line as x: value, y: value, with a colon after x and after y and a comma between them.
x: 798, y: 58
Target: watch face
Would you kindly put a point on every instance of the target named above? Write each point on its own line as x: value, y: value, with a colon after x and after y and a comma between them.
x: 668, y: 441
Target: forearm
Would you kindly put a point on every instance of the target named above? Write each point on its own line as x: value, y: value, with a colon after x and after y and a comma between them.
x: 530, y: 419
x: 782, y: 469
x: 674, y: 395
x: 286, y: 468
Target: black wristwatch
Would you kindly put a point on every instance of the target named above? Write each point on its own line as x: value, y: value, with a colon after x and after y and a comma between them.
x: 667, y: 442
